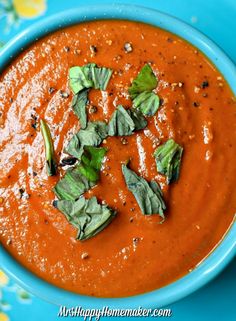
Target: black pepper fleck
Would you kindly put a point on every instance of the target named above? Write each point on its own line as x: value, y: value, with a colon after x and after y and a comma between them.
x: 67, y: 49
x: 54, y: 203
x: 170, y: 40
x: 124, y: 141
x: 205, y: 84
x: 161, y: 101
x: 196, y: 104
x: 51, y: 90
x: 93, y: 109
x: 128, y: 47
x: 68, y: 161
x: 64, y: 94
x: 21, y: 191
x: 93, y: 49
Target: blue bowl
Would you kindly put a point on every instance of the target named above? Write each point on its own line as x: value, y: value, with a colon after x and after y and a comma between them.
x: 221, y: 255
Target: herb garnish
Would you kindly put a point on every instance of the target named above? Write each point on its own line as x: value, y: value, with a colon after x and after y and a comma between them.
x: 141, y: 92
x: 92, y: 135
x: 49, y: 149
x: 91, y: 162
x: 148, y: 195
x: 89, y: 76
x: 72, y: 185
x: 78, y: 105
x: 81, y: 79
x: 123, y: 122
x: 83, y: 176
x: 168, y: 158
x: 147, y: 102
x: 145, y: 81
x: 87, y: 215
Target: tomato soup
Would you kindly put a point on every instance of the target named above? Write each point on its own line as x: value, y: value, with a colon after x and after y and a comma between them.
x: 134, y: 253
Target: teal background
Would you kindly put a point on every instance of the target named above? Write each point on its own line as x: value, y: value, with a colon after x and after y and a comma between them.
x: 217, y: 300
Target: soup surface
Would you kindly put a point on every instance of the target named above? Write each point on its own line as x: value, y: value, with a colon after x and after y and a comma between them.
x: 134, y: 254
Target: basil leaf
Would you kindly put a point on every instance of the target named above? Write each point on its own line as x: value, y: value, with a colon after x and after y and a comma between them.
x: 91, y: 162
x: 101, y: 77
x: 139, y: 120
x: 120, y: 124
x: 145, y: 81
x: 148, y: 195
x: 49, y: 149
x: 89, y: 76
x: 147, y: 102
x: 93, y: 135
x: 72, y: 185
x: 78, y: 79
x: 74, y: 147
x: 168, y: 159
x: 123, y: 122
x: 87, y: 215
x: 78, y: 105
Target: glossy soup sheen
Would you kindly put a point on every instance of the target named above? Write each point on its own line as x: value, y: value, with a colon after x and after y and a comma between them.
x: 135, y: 253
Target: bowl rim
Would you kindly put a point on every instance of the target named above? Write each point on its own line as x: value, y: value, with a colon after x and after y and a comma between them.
x: 221, y: 255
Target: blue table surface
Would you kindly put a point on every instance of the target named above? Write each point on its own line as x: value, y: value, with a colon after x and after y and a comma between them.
x: 217, y: 300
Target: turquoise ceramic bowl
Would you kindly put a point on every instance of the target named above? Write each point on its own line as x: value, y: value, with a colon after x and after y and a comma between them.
x: 222, y: 254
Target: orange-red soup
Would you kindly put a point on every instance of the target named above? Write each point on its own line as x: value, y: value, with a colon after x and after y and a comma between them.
x: 201, y: 205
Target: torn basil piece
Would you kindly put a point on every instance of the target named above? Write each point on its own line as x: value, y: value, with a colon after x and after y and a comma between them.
x: 83, y: 176
x: 89, y: 76
x: 87, y: 215
x: 139, y: 120
x: 145, y: 81
x: 74, y: 147
x: 124, y: 122
x: 120, y: 124
x: 78, y: 105
x: 168, y: 159
x: 72, y: 185
x: 49, y: 149
x: 101, y: 77
x: 79, y: 78
x: 148, y: 195
x: 141, y: 92
x: 91, y: 162
x: 147, y: 102
x: 92, y: 135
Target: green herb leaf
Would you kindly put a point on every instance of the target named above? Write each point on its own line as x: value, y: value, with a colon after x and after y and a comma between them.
x: 148, y: 195
x: 79, y: 78
x: 123, y: 122
x: 101, y: 77
x: 89, y: 76
x: 87, y: 215
x: 139, y: 120
x: 93, y: 135
x: 49, y: 149
x: 82, y: 177
x: 147, y: 102
x: 168, y: 158
x: 145, y: 81
x: 72, y: 185
x: 78, y: 105
x: 91, y: 162
x: 74, y: 147
x: 120, y: 124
